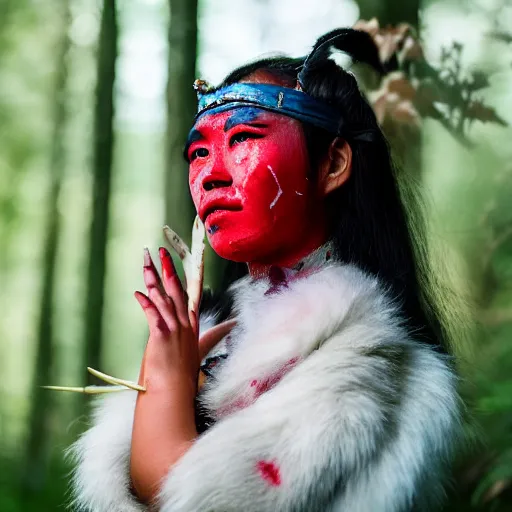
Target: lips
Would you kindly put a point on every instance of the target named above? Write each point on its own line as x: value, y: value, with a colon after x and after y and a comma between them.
x: 220, y: 204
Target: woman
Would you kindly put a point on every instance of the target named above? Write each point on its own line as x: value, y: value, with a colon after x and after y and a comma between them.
x: 333, y: 391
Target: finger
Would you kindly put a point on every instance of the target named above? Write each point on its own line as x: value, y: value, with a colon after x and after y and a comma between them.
x: 213, y: 336
x: 164, y: 306
x: 151, y: 278
x: 194, y: 322
x: 157, y: 325
x: 157, y: 293
x: 172, y: 286
x: 159, y: 333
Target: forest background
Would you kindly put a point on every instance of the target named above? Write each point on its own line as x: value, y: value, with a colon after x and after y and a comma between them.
x: 95, y: 103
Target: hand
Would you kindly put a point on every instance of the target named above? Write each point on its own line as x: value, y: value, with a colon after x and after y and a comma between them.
x: 172, y: 352
x: 164, y: 422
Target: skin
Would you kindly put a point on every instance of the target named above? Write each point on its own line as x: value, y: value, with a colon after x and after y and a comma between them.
x: 258, y: 166
x: 230, y: 154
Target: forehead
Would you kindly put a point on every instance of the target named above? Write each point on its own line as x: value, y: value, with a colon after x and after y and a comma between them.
x: 227, y: 119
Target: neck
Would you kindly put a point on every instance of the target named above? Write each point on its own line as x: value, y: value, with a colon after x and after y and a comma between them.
x: 290, y: 258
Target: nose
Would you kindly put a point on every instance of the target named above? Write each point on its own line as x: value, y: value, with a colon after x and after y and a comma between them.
x: 217, y: 177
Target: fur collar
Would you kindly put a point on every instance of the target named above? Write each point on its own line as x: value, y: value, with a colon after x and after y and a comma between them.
x: 278, y: 330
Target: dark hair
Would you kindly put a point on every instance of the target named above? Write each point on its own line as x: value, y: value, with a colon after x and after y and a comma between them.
x: 370, y: 226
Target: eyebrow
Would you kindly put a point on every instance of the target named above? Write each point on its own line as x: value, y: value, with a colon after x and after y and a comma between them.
x: 193, y: 136
x: 244, y: 116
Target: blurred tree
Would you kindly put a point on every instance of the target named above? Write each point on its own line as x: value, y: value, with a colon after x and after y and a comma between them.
x: 406, y: 139
x: 411, y: 90
x: 102, y: 173
x: 18, y: 143
x: 181, y: 108
x: 38, y: 434
x: 390, y: 12
x: 17, y: 147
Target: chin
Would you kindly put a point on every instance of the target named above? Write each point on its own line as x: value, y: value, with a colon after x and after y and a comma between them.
x: 241, y: 249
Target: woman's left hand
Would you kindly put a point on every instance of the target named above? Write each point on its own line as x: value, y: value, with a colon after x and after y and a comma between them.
x: 164, y: 423
x: 174, y: 351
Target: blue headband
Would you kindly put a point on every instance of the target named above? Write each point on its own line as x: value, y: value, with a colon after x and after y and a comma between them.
x: 283, y: 100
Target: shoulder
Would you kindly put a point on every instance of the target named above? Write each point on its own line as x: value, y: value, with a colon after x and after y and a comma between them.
x: 342, y: 326
x: 386, y: 405
x: 315, y: 304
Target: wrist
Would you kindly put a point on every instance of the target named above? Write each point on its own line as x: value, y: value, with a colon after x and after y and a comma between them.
x: 179, y: 384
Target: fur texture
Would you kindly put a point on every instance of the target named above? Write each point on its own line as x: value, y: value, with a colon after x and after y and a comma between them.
x: 101, y: 479
x: 323, y: 388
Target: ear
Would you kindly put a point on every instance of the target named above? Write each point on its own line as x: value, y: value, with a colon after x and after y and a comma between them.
x: 336, y: 167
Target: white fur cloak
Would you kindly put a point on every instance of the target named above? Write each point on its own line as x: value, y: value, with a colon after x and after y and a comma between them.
x: 325, y: 403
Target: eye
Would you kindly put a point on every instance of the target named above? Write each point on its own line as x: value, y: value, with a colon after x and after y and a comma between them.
x: 199, y: 153
x: 243, y: 136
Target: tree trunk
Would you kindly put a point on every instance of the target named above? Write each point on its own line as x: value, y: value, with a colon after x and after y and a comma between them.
x: 36, y: 455
x: 102, y: 173
x: 181, y: 108
x: 390, y: 12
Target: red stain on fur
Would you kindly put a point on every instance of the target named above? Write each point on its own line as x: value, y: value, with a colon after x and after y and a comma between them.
x: 258, y: 387
x: 269, y: 471
x: 274, y: 378
x: 240, y: 403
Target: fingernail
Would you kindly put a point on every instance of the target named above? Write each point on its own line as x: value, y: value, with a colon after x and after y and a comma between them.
x: 167, y: 263
x: 141, y: 299
x: 147, y: 257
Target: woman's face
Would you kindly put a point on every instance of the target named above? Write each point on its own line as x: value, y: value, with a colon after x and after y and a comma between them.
x: 248, y: 178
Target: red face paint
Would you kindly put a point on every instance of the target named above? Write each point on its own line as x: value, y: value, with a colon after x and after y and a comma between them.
x: 249, y: 182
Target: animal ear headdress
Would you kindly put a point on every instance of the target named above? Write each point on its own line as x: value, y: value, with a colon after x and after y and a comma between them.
x: 297, y: 103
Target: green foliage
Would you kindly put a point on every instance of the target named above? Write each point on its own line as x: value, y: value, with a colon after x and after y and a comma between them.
x: 51, y: 495
x: 471, y: 213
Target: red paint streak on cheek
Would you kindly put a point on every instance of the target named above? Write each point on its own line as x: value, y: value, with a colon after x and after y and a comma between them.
x: 269, y: 471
